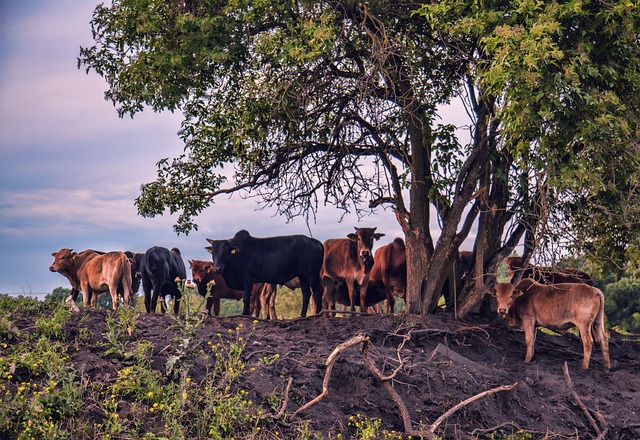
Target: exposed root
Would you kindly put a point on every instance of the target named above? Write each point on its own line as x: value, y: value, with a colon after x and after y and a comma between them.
x: 594, y: 425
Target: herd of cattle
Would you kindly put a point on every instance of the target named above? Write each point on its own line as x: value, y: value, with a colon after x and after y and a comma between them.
x: 339, y: 271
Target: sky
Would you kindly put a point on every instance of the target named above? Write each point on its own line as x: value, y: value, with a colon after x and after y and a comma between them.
x: 70, y: 168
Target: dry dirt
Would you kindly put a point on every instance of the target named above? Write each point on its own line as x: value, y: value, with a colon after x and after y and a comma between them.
x: 444, y: 362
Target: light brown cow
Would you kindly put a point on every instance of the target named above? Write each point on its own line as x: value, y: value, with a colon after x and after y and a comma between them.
x: 93, y: 273
x: 203, y: 276
x: 546, y: 275
x: 558, y: 307
x: 390, y: 271
x: 349, y: 261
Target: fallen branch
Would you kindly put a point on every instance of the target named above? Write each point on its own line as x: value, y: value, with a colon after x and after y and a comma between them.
x: 464, y: 403
x: 495, y: 428
x: 406, y: 419
x: 329, y: 363
x: 285, y: 402
x: 584, y: 409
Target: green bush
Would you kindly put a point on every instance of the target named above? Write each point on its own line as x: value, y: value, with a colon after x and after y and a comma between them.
x: 622, y: 304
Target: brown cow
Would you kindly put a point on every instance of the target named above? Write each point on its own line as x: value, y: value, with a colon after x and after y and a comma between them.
x: 547, y: 275
x: 93, y: 273
x: 390, y: 271
x: 349, y: 261
x: 203, y: 276
x: 558, y: 307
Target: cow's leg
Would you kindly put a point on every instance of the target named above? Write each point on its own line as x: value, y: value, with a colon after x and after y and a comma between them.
x: 246, y: 298
x: 146, y: 287
x: 154, y: 298
x: 267, y: 298
x: 363, y: 296
x: 587, y: 343
x: 113, y: 290
x: 213, y: 303
x: 352, y: 294
x: 306, y: 296
x: 529, y: 337
x: 389, y: 305
x: 317, y: 291
x: 71, y: 300
x: 86, y: 292
x: 94, y: 294
x: 177, y: 298
x: 329, y: 296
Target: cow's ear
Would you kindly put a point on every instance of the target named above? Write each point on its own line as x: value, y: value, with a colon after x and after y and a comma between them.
x: 53, y: 254
x: 378, y: 235
x: 517, y: 293
x: 208, y: 248
x: 190, y: 264
x: 234, y: 250
x: 74, y: 255
x: 352, y: 237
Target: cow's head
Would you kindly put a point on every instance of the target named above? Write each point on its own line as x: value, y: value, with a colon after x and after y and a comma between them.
x: 222, y: 251
x: 506, y: 294
x: 200, y: 270
x: 514, y: 264
x: 62, y: 260
x: 364, y: 238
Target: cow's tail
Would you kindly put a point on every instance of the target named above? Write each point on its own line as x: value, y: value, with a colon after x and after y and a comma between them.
x: 597, y: 328
x: 127, y: 282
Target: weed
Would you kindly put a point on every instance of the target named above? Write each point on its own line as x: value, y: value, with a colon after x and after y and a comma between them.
x: 53, y: 326
x: 118, y: 330
x: 8, y: 332
x: 268, y: 360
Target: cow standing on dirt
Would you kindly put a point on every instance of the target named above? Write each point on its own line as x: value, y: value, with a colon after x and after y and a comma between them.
x: 245, y: 260
x: 160, y: 269
x: 93, y: 273
x: 389, y: 272
x: 204, y: 278
x: 558, y: 307
x: 349, y: 261
x: 134, y: 259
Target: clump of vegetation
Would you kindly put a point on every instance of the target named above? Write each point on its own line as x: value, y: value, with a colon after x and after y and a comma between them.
x: 622, y: 304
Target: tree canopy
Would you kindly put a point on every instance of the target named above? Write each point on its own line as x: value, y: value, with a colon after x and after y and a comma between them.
x: 340, y: 102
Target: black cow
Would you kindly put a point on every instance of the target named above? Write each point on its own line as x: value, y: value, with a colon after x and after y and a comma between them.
x: 136, y: 264
x: 244, y: 260
x: 159, y: 269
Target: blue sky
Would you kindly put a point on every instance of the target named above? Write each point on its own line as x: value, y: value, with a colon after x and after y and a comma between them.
x: 70, y: 169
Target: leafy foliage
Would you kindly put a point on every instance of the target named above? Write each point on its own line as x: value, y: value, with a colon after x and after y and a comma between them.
x: 622, y: 304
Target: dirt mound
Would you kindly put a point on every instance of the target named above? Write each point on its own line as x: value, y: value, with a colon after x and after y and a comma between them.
x: 436, y: 363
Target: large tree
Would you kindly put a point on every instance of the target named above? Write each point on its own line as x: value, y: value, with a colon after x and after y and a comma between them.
x: 338, y: 102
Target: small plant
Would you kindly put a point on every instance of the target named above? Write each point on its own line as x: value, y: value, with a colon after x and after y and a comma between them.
x: 118, y: 330
x: 52, y: 326
x: 268, y: 360
x: 8, y: 332
x: 366, y: 428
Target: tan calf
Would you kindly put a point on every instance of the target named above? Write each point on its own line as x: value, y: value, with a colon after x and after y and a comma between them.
x: 94, y: 273
x: 557, y: 307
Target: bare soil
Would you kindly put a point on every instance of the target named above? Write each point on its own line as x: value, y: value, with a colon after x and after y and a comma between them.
x: 442, y: 361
